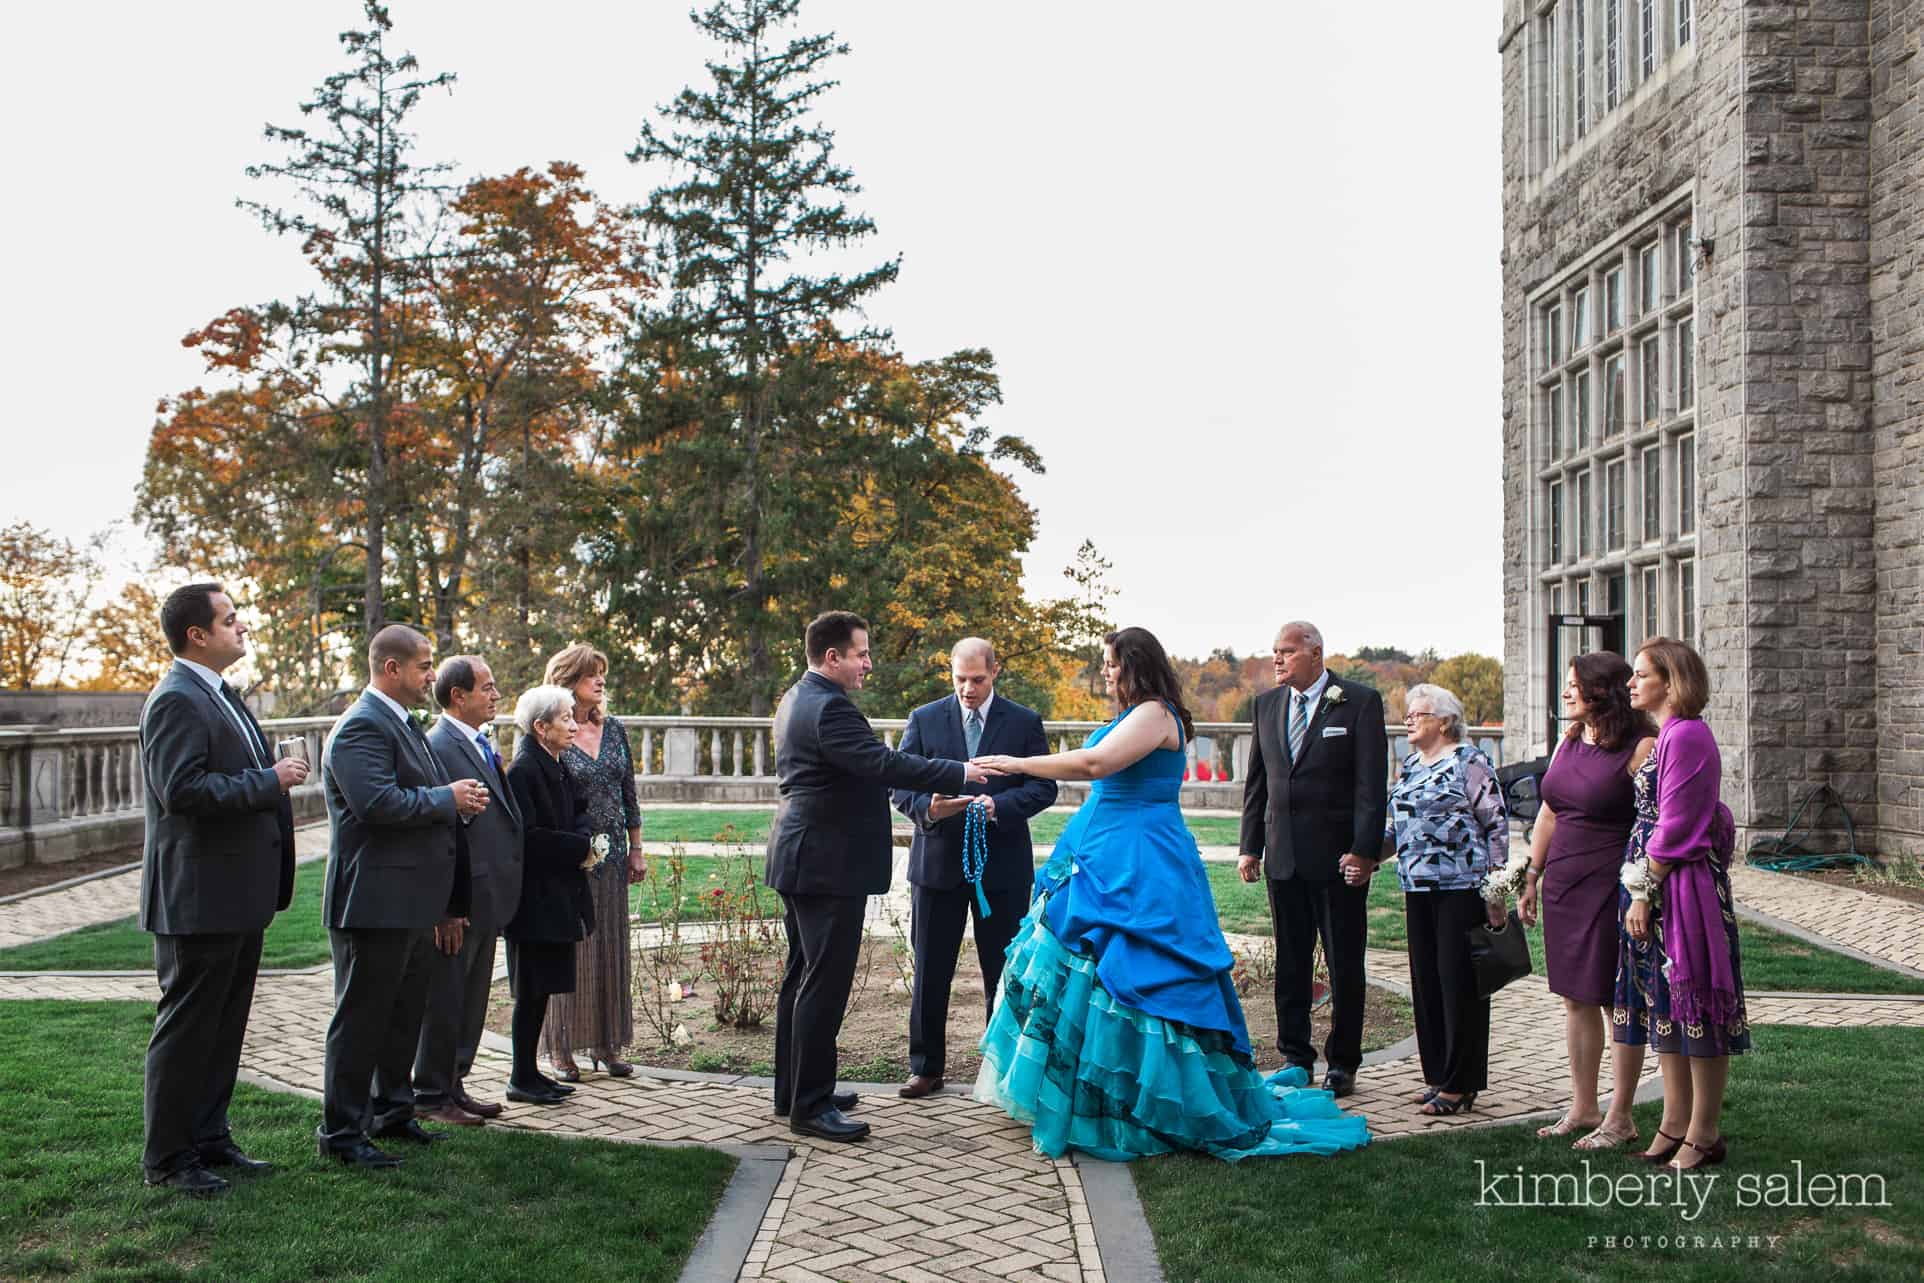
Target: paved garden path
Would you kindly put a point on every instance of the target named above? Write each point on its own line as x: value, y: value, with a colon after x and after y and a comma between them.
x: 948, y: 1189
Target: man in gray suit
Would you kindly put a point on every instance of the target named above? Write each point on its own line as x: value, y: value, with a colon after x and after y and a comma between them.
x: 463, y: 967
x: 217, y: 863
x: 396, y: 876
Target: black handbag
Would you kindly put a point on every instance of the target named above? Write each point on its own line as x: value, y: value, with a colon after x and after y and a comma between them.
x: 1499, y: 954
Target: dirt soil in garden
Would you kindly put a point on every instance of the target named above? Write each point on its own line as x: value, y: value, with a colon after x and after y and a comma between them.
x: 1910, y: 888
x: 874, y: 1040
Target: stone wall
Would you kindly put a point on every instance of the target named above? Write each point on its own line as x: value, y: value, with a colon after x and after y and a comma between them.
x: 1808, y: 569
x: 1897, y: 412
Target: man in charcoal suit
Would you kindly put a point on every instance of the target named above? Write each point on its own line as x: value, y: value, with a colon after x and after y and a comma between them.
x: 1314, y: 802
x: 462, y: 966
x: 216, y: 864
x: 971, y: 722
x: 396, y: 878
x: 830, y: 849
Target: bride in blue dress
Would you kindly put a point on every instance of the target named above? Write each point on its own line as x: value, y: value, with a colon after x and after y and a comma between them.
x: 1117, y: 1030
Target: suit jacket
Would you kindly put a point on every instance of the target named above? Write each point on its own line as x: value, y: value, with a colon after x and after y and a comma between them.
x: 218, y: 854
x: 394, y: 859
x: 935, y: 855
x: 831, y: 835
x: 493, y: 838
x: 555, y: 903
x: 1303, y: 816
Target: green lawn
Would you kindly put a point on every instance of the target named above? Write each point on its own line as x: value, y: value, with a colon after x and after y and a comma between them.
x: 702, y: 874
x: 1830, y: 1099
x: 750, y: 827
x: 296, y: 938
x: 488, y: 1204
x: 1772, y: 960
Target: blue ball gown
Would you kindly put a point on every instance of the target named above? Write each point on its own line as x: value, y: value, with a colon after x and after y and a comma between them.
x: 1117, y: 1030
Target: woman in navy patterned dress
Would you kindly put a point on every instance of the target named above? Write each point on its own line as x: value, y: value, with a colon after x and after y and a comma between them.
x: 1679, y: 976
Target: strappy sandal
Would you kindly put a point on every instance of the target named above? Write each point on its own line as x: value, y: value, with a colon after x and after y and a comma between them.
x: 1603, y: 1138
x: 1710, y: 1155
x: 1563, y: 1127
x: 1428, y: 1095
x: 1665, y: 1154
x: 1441, y: 1106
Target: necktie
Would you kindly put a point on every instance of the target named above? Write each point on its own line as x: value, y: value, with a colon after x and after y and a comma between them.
x: 1298, y: 724
x: 972, y: 727
x: 487, y: 751
x: 237, y: 711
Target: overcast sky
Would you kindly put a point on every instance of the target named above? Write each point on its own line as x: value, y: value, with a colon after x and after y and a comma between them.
x: 1237, y: 261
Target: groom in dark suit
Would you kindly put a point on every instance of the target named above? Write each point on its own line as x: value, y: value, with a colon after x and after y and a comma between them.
x: 1314, y: 800
x: 396, y: 881
x: 971, y: 722
x: 216, y: 864
x: 830, y: 849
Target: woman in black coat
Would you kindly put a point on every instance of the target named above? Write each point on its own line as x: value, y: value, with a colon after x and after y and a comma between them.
x: 555, y: 910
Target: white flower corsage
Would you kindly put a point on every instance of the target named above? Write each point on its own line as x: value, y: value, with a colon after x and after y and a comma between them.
x: 597, y: 850
x: 1636, y: 879
x: 1507, y: 882
x: 421, y: 718
x: 1333, y: 695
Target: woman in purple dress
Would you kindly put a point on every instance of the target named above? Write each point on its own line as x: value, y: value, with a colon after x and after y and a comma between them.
x: 1576, y: 854
x: 1680, y: 982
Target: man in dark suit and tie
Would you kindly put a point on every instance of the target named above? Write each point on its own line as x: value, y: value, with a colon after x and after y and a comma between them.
x: 1314, y: 800
x: 973, y: 721
x: 830, y: 850
x: 216, y: 864
x: 396, y: 875
x: 462, y: 966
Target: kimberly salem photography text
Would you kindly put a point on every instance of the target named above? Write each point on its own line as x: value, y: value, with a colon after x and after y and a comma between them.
x: 1690, y: 1193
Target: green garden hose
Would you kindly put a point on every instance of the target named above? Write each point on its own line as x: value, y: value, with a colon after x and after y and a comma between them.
x: 1788, y: 855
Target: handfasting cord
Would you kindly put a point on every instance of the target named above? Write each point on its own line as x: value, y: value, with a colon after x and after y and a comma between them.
x: 975, y: 849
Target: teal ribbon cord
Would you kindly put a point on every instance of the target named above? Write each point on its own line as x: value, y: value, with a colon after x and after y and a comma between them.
x: 975, y: 850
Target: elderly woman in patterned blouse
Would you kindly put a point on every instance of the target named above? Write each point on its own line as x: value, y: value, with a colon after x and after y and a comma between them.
x: 598, y: 1016
x: 1449, y: 829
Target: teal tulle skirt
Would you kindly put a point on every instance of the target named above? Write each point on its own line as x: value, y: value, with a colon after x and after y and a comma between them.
x: 1087, y: 1072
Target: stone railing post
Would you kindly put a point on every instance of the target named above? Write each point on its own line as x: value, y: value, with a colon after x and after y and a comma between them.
x: 681, y: 751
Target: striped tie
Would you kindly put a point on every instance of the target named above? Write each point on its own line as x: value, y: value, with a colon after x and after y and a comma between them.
x: 1298, y: 725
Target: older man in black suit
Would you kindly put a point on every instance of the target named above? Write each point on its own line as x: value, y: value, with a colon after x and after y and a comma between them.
x: 830, y: 850
x: 973, y: 721
x: 1314, y: 801
x: 396, y: 881
x: 216, y: 864
x: 462, y: 967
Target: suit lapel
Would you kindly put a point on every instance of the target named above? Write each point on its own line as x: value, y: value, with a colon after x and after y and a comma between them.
x: 416, y: 744
x: 1317, y: 716
x: 222, y: 712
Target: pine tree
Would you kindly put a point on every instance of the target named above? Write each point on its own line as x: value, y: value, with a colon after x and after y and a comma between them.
x: 360, y: 191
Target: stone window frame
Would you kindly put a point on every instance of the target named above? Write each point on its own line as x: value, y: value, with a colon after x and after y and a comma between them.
x: 1588, y: 61
x: 1557, y: 466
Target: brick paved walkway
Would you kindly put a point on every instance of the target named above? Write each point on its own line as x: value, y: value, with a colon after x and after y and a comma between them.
x: 1879, y: 925
x: 948, y: 1189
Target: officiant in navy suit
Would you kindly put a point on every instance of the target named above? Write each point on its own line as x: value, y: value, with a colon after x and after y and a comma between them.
x: 942, y: 894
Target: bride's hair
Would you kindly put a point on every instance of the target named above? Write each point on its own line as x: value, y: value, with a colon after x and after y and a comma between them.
x: 1146, y: 673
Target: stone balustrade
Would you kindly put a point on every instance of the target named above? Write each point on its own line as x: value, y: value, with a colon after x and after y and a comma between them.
x: 65, y: 794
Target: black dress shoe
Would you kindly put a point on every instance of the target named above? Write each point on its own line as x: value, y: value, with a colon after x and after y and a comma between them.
x: 559, y: 1089
x: 228, y: 1154
x: 534, y: 1095
x: 359, y: 1153
x: 1339, y: 1083
x: 842, y: 1100
x: 829, y: 1125
x: 410, y: 1131
x: 192, y: 1180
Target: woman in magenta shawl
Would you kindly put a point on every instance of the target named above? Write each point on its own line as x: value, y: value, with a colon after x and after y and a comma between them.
x: 1679, y: 983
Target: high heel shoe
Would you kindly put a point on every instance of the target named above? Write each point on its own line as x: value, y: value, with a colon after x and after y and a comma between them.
x: 1654, y: 1157
x: 567, y: 1071
x: 1713, y: 1154
x: 1442, y: 1106
x: 616, y: 1067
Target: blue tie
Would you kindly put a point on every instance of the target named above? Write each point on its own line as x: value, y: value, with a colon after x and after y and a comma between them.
x: 487, y: 751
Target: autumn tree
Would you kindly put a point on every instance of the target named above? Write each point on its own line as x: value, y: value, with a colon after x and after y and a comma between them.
x: 358, y: 221
x: 1477, y: 680
x: 45, y: 583
x: 125, y: 640
x: 730, y: 357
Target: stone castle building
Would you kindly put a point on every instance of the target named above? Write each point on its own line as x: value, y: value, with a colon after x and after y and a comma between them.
x: 1713, y: 386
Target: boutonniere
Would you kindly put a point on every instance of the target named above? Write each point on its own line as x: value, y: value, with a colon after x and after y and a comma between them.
x: 1333, y: 695
x: 421, y: 718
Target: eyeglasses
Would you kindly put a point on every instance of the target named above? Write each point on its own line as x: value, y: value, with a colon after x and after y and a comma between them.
x: 1411, y: 717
